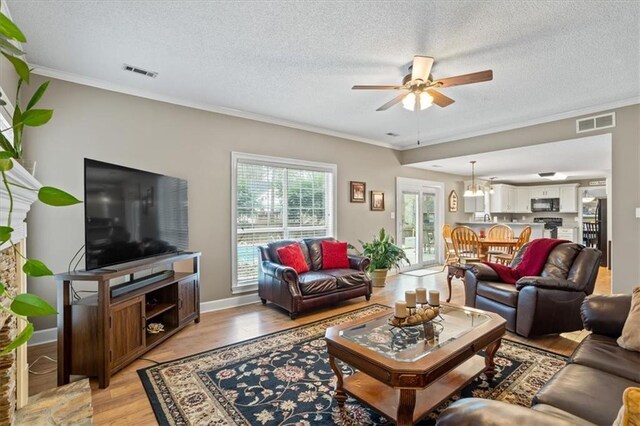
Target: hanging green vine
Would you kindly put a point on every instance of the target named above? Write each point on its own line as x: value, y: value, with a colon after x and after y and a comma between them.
x: 23, y: 305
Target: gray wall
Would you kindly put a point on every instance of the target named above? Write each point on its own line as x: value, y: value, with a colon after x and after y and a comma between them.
x: 195, y: 145
x: 625, y: 177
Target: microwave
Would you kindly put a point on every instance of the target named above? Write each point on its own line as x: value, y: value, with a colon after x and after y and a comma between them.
x: 545, y: 204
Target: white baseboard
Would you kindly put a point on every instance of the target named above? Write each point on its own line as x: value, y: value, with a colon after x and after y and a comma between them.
x: 41, y: 337
x: 49, y: 335
x: 231, y: 302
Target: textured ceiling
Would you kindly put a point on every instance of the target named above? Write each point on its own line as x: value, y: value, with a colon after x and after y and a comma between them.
x: 590, y: 157
x: 297, y: 61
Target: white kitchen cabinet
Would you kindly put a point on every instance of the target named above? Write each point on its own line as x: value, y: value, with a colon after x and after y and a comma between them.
x: 503, y: 199
x: 545, y: 192
x: 472, y: 204
x: 569, y: 234
x: 523, y: 199
x: 568, y: 199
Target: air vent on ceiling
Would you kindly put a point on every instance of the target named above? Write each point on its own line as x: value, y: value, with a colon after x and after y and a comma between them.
x: 140, y: 71
x: 596, y: 122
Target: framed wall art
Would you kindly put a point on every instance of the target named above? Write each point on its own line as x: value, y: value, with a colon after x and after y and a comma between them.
x: 358, y: 191
x: 453, y: 201
x: 377, y: 201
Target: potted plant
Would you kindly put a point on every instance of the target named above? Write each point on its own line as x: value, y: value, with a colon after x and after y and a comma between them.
x: 384, y: 255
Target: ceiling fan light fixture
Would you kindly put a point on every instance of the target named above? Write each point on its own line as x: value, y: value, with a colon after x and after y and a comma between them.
x: 420, y: 101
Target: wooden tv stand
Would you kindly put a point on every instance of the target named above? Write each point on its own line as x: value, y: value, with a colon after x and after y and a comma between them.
x: 99, y: 335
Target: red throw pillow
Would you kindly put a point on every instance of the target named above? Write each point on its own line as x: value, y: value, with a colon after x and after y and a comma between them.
x: 292, y: 256
x: 334, y: 255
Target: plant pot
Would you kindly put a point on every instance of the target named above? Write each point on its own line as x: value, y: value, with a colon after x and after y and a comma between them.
x: 379, y: 277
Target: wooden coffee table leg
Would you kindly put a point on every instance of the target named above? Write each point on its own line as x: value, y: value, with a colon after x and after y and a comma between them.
x: 340, y: 396
x: 489, y: 360
x: 405, y: 407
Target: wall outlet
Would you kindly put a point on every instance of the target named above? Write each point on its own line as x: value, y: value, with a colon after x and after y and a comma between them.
x: 638, y: 212
x: 393, y: 215
x: 577, y: 218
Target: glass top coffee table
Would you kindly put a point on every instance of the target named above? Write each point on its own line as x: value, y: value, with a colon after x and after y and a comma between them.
x: 404, y: 373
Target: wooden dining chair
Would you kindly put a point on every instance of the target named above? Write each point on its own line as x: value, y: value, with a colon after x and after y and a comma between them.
x: 466, y: 244
x: 499, y: 232
x: 523, y: 239
x: 449, y: 252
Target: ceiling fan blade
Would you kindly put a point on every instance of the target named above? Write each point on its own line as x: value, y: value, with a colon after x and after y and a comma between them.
x: 440, y: 99
x: 365, y: 87
x: 421, y: 67
x: 392, y: 102
x: 459, y: 80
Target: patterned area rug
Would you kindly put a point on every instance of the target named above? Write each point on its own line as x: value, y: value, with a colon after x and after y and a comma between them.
x: 284, y: 378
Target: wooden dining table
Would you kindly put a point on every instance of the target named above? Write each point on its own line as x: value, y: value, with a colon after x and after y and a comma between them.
x: 485, y: 243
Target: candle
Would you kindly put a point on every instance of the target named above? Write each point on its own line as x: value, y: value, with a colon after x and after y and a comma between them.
x: 410, y: 297
x: 434, y: 297
x: 421, y: 295
x: 401, y: 309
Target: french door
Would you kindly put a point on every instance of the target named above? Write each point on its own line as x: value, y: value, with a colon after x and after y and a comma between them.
x: 420, y: 208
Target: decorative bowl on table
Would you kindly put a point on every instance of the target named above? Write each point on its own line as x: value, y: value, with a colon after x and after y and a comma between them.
x: 417, y: 316
x: 155, y: 328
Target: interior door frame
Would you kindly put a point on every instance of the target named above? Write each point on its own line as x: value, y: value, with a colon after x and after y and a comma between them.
x: 420, y: 185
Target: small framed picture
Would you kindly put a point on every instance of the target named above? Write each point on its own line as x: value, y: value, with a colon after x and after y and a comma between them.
x: 377, y: 201
x: 358, y: 192
x: 453, y: 201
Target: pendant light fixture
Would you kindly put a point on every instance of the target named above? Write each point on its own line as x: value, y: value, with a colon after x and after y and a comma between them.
x: 473, y: 190
x: 491, y: 191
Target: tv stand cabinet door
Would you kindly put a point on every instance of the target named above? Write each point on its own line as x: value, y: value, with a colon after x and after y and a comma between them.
x: 187, y: 300
x: 127, y: 331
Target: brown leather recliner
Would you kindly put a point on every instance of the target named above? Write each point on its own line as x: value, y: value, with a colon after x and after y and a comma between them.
x: 283, y: 286
x: 587, y: 391
x: 545, y: 304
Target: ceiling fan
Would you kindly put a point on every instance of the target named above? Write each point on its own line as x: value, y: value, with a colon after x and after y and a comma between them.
x: 419, y: 86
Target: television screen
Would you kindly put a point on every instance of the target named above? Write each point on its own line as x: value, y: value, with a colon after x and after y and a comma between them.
x: 132, y: 214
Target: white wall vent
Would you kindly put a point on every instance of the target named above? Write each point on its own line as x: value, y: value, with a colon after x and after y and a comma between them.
x: 140, y: 71
x: 596, y: 122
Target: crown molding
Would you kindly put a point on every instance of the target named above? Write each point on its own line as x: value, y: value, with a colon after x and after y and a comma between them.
x: 532, y: 122
x: 105, y: 85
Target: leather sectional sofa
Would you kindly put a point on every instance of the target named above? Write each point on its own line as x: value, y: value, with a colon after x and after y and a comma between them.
x: 537, y: 305
x: 587, y: 391
x: 283, y: 286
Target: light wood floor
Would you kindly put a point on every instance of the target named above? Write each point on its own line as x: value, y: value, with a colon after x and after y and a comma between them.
x: 124, y: 402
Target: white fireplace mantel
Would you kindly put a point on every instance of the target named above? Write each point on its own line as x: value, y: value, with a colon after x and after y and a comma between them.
x: 22, y: 200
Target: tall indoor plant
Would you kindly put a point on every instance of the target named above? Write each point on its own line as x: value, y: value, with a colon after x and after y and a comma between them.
x: 384, y: 255
x: 23, y: 305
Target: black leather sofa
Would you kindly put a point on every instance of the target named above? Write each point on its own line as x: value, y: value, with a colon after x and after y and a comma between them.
x: 588, y: 391
x: 283, y: 286
x: 537, y: 305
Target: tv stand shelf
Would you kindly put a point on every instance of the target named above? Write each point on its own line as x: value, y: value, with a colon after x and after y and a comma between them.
x: 100, y: 334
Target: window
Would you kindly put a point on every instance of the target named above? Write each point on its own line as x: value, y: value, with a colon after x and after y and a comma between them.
x: 275, y: 199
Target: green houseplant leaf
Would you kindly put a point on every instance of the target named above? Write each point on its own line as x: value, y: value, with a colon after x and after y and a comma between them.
x: 36, y: 268
x: 7, y: 46
x: 2, y: 289
x: 20, y: 339
x: 6, y: 163
x: 37, y: 95
x: 30, y: 305
x: 5, y: 234
x: 36, y: 117
x: 21, y: 67
x: 6, y: 145
x: 383, y: 252
x: 11, y: 30
x: 56, y: 197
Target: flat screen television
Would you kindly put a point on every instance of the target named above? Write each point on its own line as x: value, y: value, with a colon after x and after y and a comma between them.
x: 132, y: 214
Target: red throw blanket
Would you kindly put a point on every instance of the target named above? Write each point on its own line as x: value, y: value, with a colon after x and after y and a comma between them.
x: 532, y: 262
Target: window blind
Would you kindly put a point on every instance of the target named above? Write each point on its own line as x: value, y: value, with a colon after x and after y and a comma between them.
x: 275, y: 201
